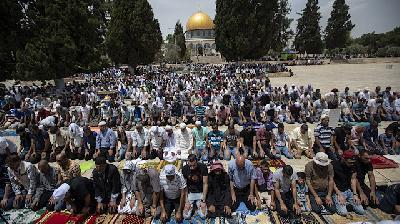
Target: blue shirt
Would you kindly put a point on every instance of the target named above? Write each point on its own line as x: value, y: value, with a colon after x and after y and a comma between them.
x: 106, y: 139
x: 241, y: 177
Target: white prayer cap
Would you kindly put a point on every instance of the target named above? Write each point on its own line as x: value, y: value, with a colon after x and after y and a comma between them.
x: 198, y: 123
x: 168, y: 128
x: 182, y: 125
x: 102, y: 123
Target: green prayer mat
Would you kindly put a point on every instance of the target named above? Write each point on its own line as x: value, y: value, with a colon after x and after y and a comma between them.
x: 87, y: 165
x: 22, y: 215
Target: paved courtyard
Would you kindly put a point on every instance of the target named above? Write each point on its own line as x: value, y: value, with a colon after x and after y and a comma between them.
x: 355, y: 76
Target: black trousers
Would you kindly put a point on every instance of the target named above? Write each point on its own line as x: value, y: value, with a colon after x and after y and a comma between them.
x: 287, y: 198
x: 242, y: 196
x: 170, y: 205
x: 43, y: 201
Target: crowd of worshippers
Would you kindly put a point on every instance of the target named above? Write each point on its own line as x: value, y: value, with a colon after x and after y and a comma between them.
x: 221, y: 95
x: 326, y: 186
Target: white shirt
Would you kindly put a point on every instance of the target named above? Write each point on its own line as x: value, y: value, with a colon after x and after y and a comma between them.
x: 184, y: 140
x: 397, y: 105
x: 172, y: 189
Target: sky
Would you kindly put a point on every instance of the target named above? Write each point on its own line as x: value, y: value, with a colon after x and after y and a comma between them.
x: 368, y: 15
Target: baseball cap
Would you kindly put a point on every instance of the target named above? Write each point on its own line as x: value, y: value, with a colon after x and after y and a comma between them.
x: 349, y: 154
x: 169, y: 169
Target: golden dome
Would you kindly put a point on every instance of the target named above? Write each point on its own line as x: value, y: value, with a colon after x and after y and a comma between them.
x: 199, y: 21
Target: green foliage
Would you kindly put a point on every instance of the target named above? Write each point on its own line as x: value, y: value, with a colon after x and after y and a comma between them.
x: 282, y: 26
x: 10, y: 36
x: 355, y: 49
x: 388, y: 51
x: 374, y: 41
x: 134, y: 36
x: 244, y: 29
x: 67, y: 38
x: 172, y: 53
x: 179, y: 38
x: 339, y: 25
x: 308, y: 37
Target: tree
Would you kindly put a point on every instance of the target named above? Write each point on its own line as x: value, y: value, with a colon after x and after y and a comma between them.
x: 134, y: 36
x: 244, y: 29
x: 337, y: 31
x: 10, y: 36
x: 308, y: 37
x: 179, y: 38
x: 282, y: 26
x: 172, y: 53
x: 67, y: 38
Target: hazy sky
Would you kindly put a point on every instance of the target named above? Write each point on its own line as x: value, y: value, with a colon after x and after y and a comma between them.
x: 368, y: 15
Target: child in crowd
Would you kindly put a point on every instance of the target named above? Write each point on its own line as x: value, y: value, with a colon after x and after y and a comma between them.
x: 264, y: 185
x: 302, y: 192
x: 123, y: 139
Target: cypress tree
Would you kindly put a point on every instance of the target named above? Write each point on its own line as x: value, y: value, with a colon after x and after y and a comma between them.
x: 179, y: 37
x: 337, y: 32
x: 134, y: 35
x: 244, y: 29
x: 308, y: 37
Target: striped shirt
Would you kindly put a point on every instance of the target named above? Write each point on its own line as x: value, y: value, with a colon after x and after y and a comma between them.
x: 200, y: 111
x: 324, y: 135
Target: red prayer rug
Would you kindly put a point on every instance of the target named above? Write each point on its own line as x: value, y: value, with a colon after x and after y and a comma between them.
x: 381, y: 162
x: 64, y: 217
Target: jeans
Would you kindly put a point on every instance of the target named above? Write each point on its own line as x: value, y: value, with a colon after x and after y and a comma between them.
x: 194, y: 198
x: 23, y: 152
x: 347, y: 118
x: 200, y: 153
x: 170, y: 205
x: 232, y: 151
x: 317, y: 208
x: 122, y: 151
x: 341, y: 209
x: 282, y: 118
x: 391, y: 117
x: 283, y: 150
x: 104, y: 152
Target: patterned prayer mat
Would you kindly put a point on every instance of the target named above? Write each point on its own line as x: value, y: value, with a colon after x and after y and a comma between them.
x: 18, y: 216
x: 64, y: 217
x: 118, y: 218
x: 274, y: 164
x: 307, y: 217
x: 155, y: 163
x: 372, y: 215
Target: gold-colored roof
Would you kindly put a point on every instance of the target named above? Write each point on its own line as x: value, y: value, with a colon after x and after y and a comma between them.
x: 199, y: 21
